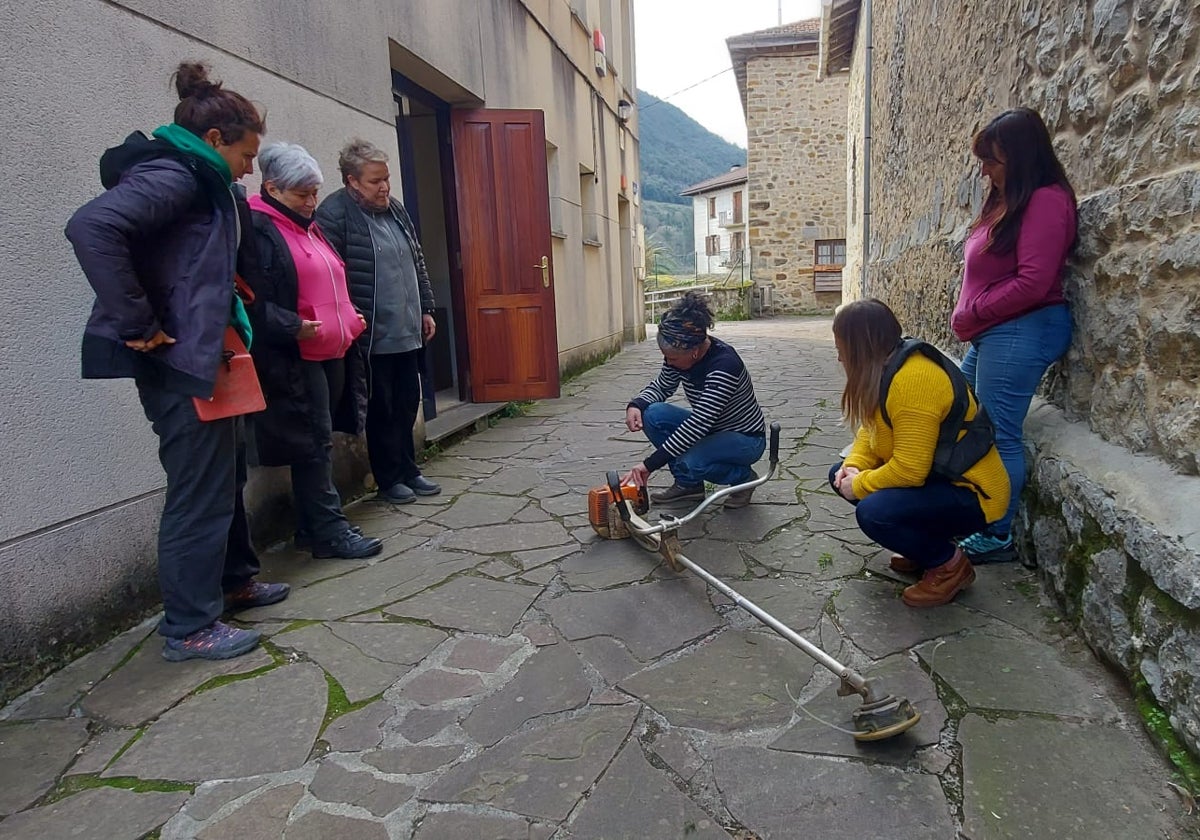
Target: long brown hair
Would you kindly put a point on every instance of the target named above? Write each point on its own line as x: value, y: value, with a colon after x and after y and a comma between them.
x: 204, y: 105
x: 866, y: 332
x: 1021, y: 137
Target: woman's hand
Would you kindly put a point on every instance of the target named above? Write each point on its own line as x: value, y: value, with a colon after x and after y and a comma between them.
x: 145, y: 345
x: 428, y: 327
x: 308, y: 330
x: 638, y: 476
x: 843, y: 480
x: 633, y: 418
x: 362, y: 319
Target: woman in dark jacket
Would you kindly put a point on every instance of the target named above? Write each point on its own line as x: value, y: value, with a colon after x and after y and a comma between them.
x: 160, y: 249
x: 308, y: 361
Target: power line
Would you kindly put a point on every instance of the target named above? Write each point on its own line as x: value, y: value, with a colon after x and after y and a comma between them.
x: 663, y: 99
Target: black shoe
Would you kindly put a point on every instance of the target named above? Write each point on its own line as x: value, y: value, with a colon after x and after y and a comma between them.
x: 677, y: 493
x: 303, y: 540
x: 397, y: 494
x: 349, y: 546
x: 422, y: 486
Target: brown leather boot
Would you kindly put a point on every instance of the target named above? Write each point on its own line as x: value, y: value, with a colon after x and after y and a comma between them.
x: 940, y: 584
x: 900, y: 563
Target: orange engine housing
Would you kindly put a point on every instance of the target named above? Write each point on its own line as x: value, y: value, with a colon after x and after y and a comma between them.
x: 600, y: 502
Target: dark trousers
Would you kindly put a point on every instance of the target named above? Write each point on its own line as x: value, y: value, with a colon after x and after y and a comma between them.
x: 318, y: 505
x: 391, y: 415
x: 204, y: 547
x: 919, y: 522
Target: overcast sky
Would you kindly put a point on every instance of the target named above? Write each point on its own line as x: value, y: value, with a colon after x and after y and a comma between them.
x: 681, y: 42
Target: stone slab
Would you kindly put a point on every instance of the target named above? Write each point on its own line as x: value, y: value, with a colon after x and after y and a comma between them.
x: 542, y: 773
x: 897, y: 675
x: 413, y: 760
x: 55, y: 696
x: 429, y: 688
x: 365, y: 659
x: 552, y: 680
x: 266, y: 724
x: 539, y: 556
x: 334, y: 783
x: 1042, y: 778
x: 674, y: 748
x: 782, y: 796
x: 301, y: 569
x: 609, y: 657
x: 369, y: 588
x: 318, y: 825
x: 720, y: 558
x: 99, y: 814
x: 635, y: 800
x: 649, y: 619
x: 607, y: 563
x: 796, y: 551
x: 265, y: 815
x: 213, y: 796
x: 420, y: 724
x: 100, y: 750
x: 738, y: 680
x: 879, y: 622
x: 798, y: 602
x: 514, y: 481
x: 751, y: 523
x: 147, y: 685
x: 471, y: 604
x: 472, y: 653
x: 358, y: 730
x: 504, y: 539
x: 456, y: 825
x: 539, y: 577
x: 475, y: 508
x: 996, y: 672
x: 32, y: 756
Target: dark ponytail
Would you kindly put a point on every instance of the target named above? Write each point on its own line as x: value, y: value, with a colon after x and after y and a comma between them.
x: 204, y: 105
x: 686, y: 324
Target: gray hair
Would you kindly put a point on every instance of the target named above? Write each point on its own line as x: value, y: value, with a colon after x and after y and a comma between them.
x: 356, y: 154
x: 289, y: 167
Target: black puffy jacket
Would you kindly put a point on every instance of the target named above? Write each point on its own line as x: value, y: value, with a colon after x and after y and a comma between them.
x: 284, y: 432
x: 350, y: 235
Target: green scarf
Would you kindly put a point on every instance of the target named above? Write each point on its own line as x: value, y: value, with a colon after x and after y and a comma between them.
x: 185, y: 141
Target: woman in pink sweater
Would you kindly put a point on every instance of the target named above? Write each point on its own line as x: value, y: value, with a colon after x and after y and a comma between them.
x: 1011, y: 307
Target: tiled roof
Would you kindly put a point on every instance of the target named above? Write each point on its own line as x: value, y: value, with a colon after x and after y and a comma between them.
x: 737, y: 175
x: 799, y: 27
x: 801, y: 37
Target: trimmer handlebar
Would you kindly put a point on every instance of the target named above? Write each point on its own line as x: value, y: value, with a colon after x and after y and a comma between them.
x: 614, y: 487
x: 774, y: 443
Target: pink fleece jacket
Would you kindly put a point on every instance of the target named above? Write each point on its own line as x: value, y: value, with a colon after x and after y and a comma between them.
x: 999, y: 287
x: 321, y: 293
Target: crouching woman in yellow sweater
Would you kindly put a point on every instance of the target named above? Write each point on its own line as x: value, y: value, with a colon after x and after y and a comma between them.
x: 902, y: 499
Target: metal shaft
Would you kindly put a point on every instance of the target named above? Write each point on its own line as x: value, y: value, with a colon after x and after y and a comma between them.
x: 845, y: 673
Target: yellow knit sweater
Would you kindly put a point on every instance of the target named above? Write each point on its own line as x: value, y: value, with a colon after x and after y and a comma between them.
x: 918, y: 400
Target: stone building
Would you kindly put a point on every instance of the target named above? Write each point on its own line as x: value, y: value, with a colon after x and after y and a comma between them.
x: 720, y: 223
x: 1110, y: 511
x: 495, y: 113
x: 796, y: 163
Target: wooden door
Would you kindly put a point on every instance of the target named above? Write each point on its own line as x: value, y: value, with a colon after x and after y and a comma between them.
x: 503, y: 202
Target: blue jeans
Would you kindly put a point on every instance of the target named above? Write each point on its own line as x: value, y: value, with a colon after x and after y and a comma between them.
x: 919, y: 522
x: 1004, y: 365
x: 722, y: 457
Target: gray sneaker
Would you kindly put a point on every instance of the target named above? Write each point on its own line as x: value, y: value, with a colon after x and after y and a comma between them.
x: 677, y: 493
x: 742, y: 497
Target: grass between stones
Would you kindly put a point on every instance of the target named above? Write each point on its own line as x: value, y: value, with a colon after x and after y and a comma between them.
x: 339, y: 704
x: 1158, y: 724
x: 71, y: 785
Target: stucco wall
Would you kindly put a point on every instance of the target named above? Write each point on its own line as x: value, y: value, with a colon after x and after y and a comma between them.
x: 796, y: 159
x: 84, y: 485
x: 1116, y: 83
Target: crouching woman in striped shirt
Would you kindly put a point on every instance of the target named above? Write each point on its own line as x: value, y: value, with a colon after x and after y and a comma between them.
x: 722, y: 435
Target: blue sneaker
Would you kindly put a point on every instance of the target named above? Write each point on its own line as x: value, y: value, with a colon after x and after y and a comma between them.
x: 216, y: 641
x: 983, y: 548
x: 255, y: 593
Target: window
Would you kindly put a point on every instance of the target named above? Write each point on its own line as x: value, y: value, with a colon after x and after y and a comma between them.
x: 554, y: 181
x: 830, y: 252
x: 737, y: 207
x: 737, y: 241
x: 712, y: 207
x: 588, y: 207
x: 827, y: 281
x: 712, y: 245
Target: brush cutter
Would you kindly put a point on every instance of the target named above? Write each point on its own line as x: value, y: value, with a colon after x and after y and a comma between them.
x: 616, y: 512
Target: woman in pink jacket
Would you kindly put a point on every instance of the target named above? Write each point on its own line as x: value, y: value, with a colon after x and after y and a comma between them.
x: 312, y: 372
x: 1011, y: 307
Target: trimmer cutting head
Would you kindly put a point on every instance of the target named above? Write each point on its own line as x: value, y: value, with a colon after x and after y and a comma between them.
x: 884, y: 718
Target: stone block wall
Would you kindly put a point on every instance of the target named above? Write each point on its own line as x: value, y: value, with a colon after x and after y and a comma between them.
x: 1110, y: 507
x: 796, y: 129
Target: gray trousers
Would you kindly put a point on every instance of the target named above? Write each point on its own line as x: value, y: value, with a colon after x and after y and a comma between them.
x: 204, y: 547
x: 318, y: 505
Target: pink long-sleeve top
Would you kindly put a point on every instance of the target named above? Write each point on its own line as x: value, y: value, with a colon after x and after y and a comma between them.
x: 999, y: 287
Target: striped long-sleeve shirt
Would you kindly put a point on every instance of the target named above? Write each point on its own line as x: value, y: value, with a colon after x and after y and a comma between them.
x: 719, y: 391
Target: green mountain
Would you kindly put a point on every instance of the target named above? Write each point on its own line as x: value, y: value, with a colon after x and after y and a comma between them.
x: 676, y: 151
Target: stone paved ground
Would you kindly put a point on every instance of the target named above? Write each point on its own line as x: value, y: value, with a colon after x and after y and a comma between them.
x: 499, y: 672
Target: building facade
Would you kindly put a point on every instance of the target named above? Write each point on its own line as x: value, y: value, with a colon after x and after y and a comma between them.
x: 720, y: 225
x: 1109, y: 510
x: 513, y: 145
x: 796, y: 164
